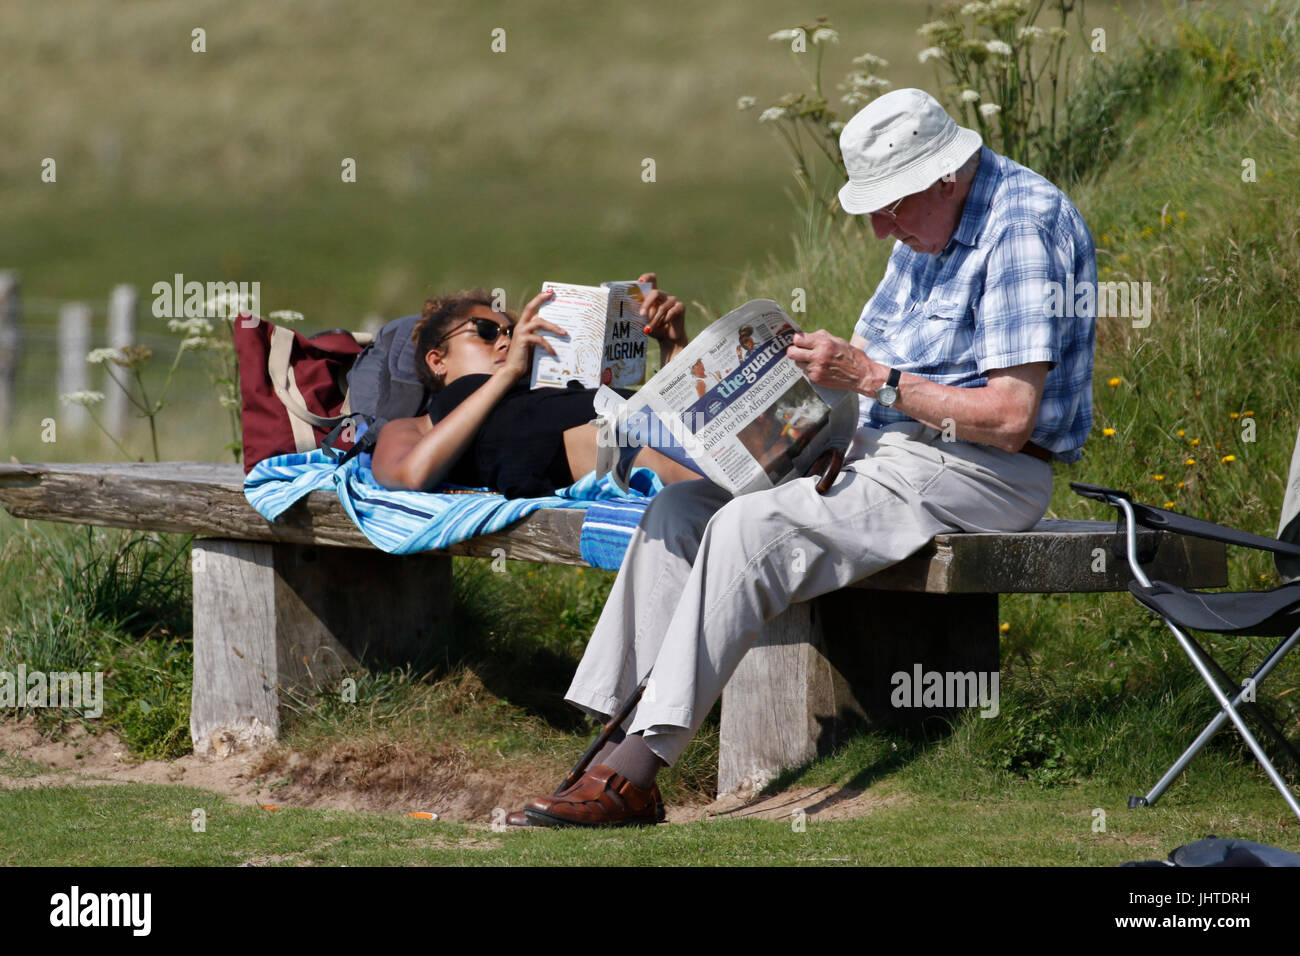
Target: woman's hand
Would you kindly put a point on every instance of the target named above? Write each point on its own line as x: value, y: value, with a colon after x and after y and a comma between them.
x: 527, y: 334
x: 665, y: 317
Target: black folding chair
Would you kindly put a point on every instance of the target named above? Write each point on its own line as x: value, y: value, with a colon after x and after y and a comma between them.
x: 1274, y: 613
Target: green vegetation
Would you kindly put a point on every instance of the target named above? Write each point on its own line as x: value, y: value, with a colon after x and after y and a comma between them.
x: 1198, y: 408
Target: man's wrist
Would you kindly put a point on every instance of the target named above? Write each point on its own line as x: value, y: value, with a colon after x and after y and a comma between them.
x: 873, y: 378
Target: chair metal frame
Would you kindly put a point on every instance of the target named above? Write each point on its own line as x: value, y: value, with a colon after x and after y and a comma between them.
x: 1210, y: 671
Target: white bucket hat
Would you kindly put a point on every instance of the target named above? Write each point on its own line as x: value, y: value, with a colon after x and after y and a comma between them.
x: 899, y: 144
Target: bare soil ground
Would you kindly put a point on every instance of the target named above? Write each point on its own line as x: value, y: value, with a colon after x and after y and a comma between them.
x: 381, y: 777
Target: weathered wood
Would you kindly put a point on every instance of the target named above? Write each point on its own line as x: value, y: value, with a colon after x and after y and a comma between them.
x: 826, y: 666
x: 10, y: 343
x: 208, y: 498
x: 779, y: 705
x: 273, y: 617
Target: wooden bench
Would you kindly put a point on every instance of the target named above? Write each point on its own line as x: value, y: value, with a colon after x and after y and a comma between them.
x: 282, y: 604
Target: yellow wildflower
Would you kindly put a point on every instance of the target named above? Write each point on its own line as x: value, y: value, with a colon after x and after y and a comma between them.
x: 1227, y: 458
x: 1004, y: 627
x: 1194, y: 442
x: 1158, y: 477
x: 1181, y: 432
x: 1233, y: 415
x: 1114, y: 382
x: 1108, y: 432
x: 1190, y: 461
x: 1169, y: 504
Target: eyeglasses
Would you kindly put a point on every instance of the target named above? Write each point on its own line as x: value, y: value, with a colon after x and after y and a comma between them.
x: 486, y: 329
x: 890, y: 210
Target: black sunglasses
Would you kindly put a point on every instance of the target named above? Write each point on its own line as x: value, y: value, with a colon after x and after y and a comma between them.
x: 487, y: 329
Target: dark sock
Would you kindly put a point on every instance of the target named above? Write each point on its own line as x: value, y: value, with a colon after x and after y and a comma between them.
x: 602, y: 755
x: 635, y: 761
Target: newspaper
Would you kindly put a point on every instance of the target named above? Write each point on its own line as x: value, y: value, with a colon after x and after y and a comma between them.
x: 605, y: 345
x: 730, y: 407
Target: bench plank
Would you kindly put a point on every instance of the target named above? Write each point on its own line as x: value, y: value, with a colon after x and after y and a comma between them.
x: 207, y: 499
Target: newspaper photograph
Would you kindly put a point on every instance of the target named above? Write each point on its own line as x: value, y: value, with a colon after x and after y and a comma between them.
x: 731, y: 406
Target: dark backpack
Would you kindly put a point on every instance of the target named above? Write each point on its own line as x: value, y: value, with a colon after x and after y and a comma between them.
x: 382, y: 384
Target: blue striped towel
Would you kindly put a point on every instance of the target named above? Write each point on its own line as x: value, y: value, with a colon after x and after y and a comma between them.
x: 405, y: 522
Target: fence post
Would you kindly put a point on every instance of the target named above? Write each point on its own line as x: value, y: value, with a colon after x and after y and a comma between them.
x: 74, y: 343
x: 11, y: 340
x: 121, y: 333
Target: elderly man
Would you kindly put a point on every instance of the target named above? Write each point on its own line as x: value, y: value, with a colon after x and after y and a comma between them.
x: 970, y: 389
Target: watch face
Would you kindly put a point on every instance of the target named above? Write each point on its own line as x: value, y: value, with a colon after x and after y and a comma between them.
x: 886, y: 395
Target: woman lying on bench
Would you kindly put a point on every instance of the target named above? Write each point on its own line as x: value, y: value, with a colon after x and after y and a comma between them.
x: 485, y: 427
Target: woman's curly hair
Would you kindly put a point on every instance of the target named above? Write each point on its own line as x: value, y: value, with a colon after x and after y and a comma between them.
x: 436, y: 318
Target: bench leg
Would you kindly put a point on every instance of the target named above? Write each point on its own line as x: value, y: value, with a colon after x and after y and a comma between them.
x: 269, y: 617
x: 826, y: 666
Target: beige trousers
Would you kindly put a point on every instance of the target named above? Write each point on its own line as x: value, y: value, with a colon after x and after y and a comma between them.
x: 704, y: 571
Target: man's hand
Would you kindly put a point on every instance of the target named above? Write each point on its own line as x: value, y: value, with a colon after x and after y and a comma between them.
x: 834, y: 363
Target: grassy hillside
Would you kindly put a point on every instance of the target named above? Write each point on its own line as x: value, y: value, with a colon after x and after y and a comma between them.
x: 473, y: 167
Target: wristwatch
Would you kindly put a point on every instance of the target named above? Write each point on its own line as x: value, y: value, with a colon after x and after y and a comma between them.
x: 887, y: 394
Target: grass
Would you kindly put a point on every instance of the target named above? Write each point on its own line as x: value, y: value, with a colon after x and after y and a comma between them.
x: 929, y: 814
x: 1096, y: 699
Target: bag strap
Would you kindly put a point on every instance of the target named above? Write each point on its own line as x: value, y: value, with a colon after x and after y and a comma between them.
x: 286, y: 388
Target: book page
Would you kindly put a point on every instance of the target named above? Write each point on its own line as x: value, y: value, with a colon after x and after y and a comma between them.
x: 581, y: 311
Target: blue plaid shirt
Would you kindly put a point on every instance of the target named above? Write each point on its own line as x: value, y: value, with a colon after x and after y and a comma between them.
x: 983, y: 303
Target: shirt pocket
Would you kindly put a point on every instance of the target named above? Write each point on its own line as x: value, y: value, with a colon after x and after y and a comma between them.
x: 943, y: 327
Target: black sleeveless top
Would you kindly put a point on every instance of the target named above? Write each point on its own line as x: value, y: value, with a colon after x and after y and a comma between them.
x: 519, y: 449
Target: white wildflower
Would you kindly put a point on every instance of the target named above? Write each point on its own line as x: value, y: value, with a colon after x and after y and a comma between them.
x: 229, y: 306
x: 1017, y: 5
x: 286, y: 315
x: 855, y: 98
x: 928, y: 30
x: 998, y: 48
x: 861, y: 81
x: 930, y: 53
x: 100, y: 356
x: 196, y: 342
x: 835, y: 127
x: 974, y: 9
x: 825, y: 35
x: 1030, y: 33
x: 771, y: 113
x: 990, y: 109
x: 82, y: 398
x: 228, y: 401
x: 1058, y: 33
x: 786, y: 34
x: 745, y: 102
x: 871, y: 59
x: 190, y: 326
x: 969, y: 96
